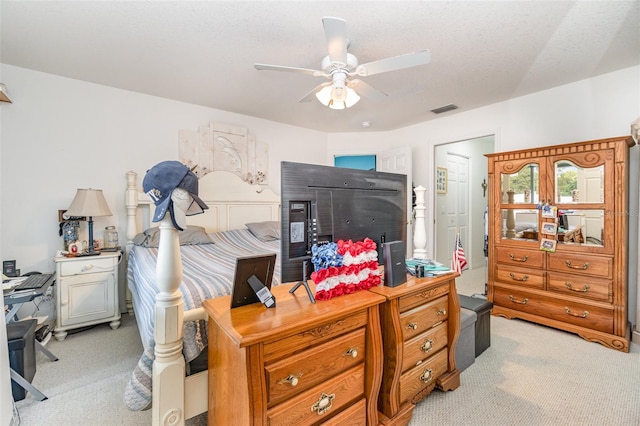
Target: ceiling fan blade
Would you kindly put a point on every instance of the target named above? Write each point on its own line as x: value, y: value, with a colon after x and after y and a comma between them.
x: 312, y: 94
x: 335, y: 30
x: 315, y: 73
x: 366, y: 90
x: 395, y: 63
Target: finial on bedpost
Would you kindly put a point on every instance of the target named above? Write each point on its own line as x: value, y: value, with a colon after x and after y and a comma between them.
x: 131, y: 203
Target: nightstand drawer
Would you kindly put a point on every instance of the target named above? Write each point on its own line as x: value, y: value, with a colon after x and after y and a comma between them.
x: 423, y: 346
x: 294, y: 374
x: 88, y: 266
x: 422, y: 376
x: 421, y: 319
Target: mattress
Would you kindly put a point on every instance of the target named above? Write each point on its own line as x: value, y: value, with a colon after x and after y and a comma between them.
x: 208, y: 271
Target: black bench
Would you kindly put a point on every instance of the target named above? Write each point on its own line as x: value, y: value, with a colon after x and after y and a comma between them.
x: 482, y: 308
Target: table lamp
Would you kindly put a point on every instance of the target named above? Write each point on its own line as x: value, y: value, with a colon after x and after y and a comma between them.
x: 90, y: 203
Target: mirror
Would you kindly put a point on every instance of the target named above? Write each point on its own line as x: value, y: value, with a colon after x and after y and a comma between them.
x: 574, y: 184
x: 521, y: 187
x: 520, y: 223
x: 581, y: 226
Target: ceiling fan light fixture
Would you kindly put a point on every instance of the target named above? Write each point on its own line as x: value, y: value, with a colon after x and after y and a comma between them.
x: 324, y: 95
x: 337, y: 97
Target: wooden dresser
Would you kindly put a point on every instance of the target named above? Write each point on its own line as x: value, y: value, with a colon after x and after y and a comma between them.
x: 420, y: 328
x: 573, y: 197
x: 296, y: 364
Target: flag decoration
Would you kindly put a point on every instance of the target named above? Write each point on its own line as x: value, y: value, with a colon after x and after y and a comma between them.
x: 458, y: 260
x: 344, y: 267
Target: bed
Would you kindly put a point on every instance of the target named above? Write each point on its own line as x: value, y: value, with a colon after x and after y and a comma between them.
x: 170, y: 273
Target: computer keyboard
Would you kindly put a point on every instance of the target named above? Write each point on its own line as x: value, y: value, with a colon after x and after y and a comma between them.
x: 33, y: 282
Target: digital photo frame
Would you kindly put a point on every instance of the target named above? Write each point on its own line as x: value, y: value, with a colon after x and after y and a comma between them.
x: 260, y: 267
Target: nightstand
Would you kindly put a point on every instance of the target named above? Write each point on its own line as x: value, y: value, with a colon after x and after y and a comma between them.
x: 86, y: 292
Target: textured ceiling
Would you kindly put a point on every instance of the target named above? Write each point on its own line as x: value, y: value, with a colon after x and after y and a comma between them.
x: 203, y: 52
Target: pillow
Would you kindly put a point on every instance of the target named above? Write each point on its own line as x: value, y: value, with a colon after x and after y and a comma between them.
x: 265, y: 231
x: 191, y: 235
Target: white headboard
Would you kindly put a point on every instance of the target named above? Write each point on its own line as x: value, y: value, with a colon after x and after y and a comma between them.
x: 232, y: 203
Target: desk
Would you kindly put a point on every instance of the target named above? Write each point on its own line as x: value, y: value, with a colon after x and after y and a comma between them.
x: 14, y: 301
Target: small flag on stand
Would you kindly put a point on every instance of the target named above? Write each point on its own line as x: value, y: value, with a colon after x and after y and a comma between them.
x: 458, y: 261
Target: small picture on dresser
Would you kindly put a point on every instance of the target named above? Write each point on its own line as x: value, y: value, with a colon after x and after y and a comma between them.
x: 548, y: 245
x: 549, y: 228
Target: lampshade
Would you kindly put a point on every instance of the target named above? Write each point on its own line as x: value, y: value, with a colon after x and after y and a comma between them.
x: 88, y: 202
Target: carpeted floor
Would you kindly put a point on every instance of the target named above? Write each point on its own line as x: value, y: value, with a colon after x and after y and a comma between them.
x: 530, y: 375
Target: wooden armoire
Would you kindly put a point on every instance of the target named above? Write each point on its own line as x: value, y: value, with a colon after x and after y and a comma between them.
x: 558, y: 237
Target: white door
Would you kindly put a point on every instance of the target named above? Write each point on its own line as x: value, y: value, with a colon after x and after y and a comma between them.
x: 399, y: 161
x: 453, y: 209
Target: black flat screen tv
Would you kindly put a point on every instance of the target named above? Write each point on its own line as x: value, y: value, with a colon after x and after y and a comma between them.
x: 327, y: 204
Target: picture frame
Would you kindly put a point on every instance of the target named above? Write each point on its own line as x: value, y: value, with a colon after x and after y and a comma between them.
x: 547, y: 244
x: 441, y: 180
x: 549, y: 211
x: 549, y: 228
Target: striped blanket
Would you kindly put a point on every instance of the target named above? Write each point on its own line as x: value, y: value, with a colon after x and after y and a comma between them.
x: 208, y: 271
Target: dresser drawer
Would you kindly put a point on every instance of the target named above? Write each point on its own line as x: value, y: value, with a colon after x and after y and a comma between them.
x: 88, y: 266
x: 598, y: 266
x: 422, y: 318
x: 581, y: 314
x: 320, y: 402
x: 533, y: 278
x: 520, y: 257
x: 423, y: 346
x: 422, y: 376
x: 581, y: 286
x: 299, y: 372
x: 323, y: 332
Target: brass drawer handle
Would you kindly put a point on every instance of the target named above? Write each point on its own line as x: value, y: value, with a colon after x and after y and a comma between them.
x: 582, y: 315
x: 427, y: 345
x: 291, y: 379
x: 323, y: 404
x: 426, y: 376
x: 523, y: 279
x: 353, y: 353
x: 441, y: 311
x: 583, y: 267
x: 522, y: 302
x: 518, y: 259
x: 570, y: 287
x: 412, y: 326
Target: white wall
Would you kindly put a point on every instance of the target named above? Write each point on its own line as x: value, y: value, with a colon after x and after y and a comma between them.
x: 61, y: 134
x: 6, y: 397
x: 595, y: 108
x: 589, y: 109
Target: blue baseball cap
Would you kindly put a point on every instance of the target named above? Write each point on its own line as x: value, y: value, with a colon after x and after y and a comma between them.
x: 162, y: 179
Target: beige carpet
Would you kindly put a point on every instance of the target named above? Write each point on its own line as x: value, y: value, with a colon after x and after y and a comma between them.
x: 531, y: 375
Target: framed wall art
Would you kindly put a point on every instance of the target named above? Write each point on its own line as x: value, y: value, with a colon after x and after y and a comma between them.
x: 441, y: 180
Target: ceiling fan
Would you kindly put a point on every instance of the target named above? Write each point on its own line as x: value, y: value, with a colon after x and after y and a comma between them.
x: 340, y: 66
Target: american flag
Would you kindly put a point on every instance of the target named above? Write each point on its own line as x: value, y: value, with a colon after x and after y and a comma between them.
x: 459, y: 260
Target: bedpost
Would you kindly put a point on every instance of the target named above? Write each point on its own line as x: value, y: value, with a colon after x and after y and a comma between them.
x: 169, y: 366
x: 131, y: 203
x: 420, y: 231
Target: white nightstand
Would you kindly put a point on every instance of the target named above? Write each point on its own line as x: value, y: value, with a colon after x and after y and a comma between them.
x: 86, y: 292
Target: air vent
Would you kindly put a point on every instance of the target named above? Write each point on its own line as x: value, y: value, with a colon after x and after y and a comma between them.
x: 445, y: 108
